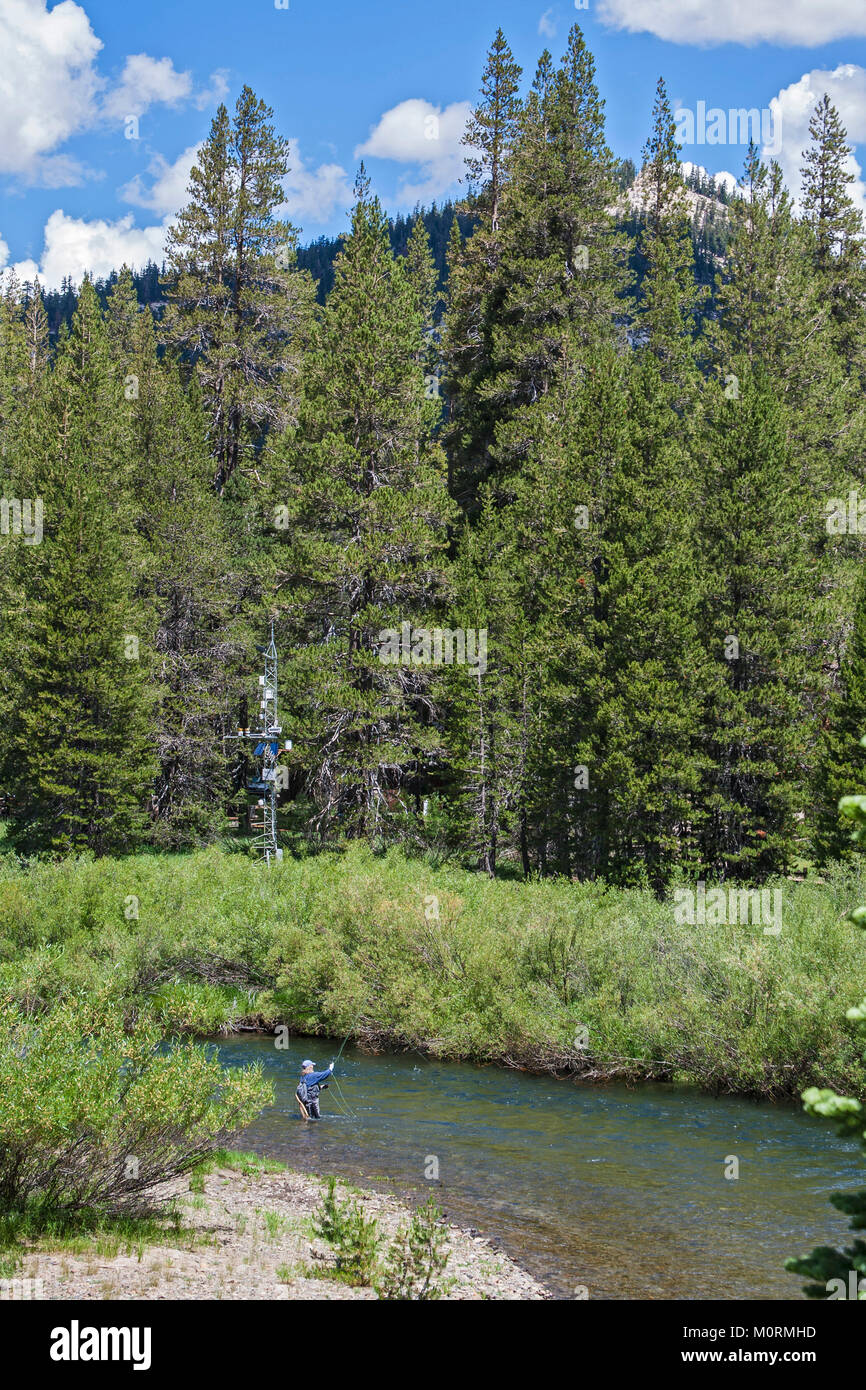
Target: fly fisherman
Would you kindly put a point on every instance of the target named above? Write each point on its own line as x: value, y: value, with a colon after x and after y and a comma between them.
x: 309, y: 1086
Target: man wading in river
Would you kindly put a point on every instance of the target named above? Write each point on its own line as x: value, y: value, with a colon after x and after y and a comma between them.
x: 309, y: 1086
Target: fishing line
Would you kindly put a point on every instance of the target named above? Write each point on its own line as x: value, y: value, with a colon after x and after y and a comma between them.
x: 339, y: 1109
x: 350, y: 1112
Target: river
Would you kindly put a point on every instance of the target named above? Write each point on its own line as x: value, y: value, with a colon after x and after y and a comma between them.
x: 616, y: 1191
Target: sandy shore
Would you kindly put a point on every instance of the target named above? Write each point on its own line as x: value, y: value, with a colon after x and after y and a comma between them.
x: 255, y: 1243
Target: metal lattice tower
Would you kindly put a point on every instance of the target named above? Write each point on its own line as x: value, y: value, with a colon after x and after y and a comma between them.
x: 268, y: 749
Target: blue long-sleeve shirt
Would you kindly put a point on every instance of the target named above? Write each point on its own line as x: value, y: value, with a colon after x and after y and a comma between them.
x: 315, y: 1078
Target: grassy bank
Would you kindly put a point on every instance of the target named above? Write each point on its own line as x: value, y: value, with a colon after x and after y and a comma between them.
x: 398, y: 952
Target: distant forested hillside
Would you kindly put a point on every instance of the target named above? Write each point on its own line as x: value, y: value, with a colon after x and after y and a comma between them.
x: 318, y: 257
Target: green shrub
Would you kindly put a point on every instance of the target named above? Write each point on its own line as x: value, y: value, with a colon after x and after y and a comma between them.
x: 416, y: 1259
x: 353, y: 1237
x: 94, y: 1116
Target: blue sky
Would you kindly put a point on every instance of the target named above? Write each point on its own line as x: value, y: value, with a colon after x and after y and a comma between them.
x: 350, y: 80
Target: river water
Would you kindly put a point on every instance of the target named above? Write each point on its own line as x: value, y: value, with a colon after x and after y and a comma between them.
x: 620, y: 1192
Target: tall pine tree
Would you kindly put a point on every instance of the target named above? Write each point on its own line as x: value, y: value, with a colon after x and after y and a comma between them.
x: 78, y: 754
x: 365, y: 509
x: 475, y: 289
x: 842, y: 758
x: 235, y: 305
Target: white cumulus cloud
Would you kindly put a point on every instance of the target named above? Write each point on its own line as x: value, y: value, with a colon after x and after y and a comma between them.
x: 846, y: 88
x: 144, y: 82
x: 215, y: 93
x: 724, y: 179
x: 417, y: 133
x: 52, y: 90
x: 313, y: 195
x: 803, y: 22
x: 74, y: 246
x: 547, y: 24
x: 48, y: 85
x: 167, y: 193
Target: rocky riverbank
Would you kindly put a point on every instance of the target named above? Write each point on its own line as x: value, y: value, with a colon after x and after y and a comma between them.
x: 248, y: 1236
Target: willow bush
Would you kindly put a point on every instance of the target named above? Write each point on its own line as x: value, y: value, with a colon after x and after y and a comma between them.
x: 549, y: 974
x: 96, y: 1115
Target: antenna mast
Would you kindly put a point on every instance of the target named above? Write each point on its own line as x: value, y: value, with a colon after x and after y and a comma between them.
x: 267, y: 750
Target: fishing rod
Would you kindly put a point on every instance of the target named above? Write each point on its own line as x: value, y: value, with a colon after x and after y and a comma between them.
x: 348, y: 1035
